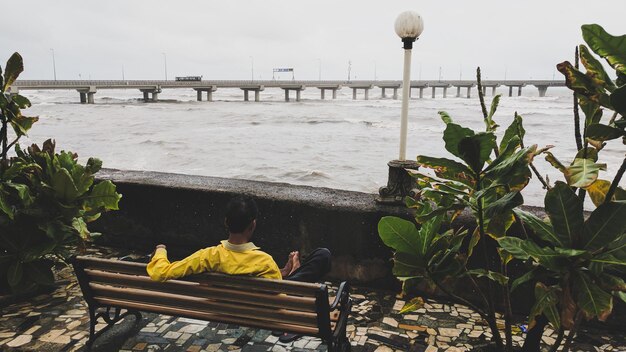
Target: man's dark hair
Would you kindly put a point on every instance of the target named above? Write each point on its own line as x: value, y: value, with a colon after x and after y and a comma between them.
x: 240, y: 212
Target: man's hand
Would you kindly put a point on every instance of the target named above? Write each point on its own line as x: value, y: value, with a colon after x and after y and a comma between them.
x: 293, y: 263
x: 157, y: 247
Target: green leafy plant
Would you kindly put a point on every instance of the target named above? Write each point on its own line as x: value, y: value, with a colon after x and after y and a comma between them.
x: 46, y: 198
x: 576, y: 263
x: 486, y: 178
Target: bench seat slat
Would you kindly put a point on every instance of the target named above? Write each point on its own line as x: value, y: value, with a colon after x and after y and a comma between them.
x: 212, y: 279
x: 195, y: 314
x: 244, y: 311
x: 306, y: 304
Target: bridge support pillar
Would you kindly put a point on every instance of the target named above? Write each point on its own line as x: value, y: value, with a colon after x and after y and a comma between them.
x: 334, y: 93
x: 146, y: 95
x: 519, y: 91
x: 90, y: 98
x: 493, y: 90
x: 286, y: 94
x: 458, y: 92
x: 245, y: 95
x: 367, y: 94
x: 353, y: 93
x: 484, y: 91
x: 542, y: 90
x: 199, y: 94
x: 433, y: 93
x: 395, y: 93
x: 469, y: 92
x: 322, y: 91
x: 510, y: 91
x: 298, y: 94
x: 209, y: 95
x: 83, y: 98
x: 445, y: 92
x: 155, y: 96
x: 421, y: 92
x: 383, y: 93
x: 257, y: 95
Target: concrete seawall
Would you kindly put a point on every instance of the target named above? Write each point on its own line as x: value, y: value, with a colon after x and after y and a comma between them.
x: 187, y: 213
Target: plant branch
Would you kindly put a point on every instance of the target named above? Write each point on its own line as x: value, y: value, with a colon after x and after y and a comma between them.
x: 572, y: 333
x: 508, y: 312
x: 613, y: 118
x: 532, y: 166
x: 559, y: 339
x: 616, y: 180
x: 577, y: 136
x: 481, y: 96
x: 483, y: 245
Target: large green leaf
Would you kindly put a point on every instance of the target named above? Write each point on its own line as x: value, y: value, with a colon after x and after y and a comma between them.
x: 597, y: 191
x: 408, y: 265
x: 605, y: 225
x: 591, y: 109
x: 583, y: 172
x: 515, y: 129
x: 600, y: 132
x: 103, y: 195
x: 475, y: 150
x: 22, y: 191
x: 524, y: 249
x: 412, y: 305
x: 15, y: 273
x: 452, y: 136
x: 491, y: 275
x: 618, y: 100
x: 595, y: 70
x: 399, y: 234
x: 63, y: 186
x: 546, y: 300
x: 447, y: 168
x: 540, y: 228
x: 565, y: 210
x: 491, y: 126
x: 504, y: 204
x: 592, y: 300
x: 40, y: 272
x: 5, y: 207
x: 506, y: 164
x: 550, y: 158
x: 427, y: 232
x: 611, y: 48
x: 12, y: 70
x: 531, y: 275
x: 583, y: 84
x: 21, y: 124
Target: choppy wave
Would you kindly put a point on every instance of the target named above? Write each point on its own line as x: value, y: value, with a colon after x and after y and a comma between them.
x: 341, y: 143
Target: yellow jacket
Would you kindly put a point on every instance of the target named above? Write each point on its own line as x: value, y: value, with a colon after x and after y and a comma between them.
x: 227, y: 258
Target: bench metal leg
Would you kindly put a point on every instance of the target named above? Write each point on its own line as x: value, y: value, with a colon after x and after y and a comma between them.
x: 110, y: 315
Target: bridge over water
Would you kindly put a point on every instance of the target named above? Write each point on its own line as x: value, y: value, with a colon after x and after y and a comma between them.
x: 151, y: 89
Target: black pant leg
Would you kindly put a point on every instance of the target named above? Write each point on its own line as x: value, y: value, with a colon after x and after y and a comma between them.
x: 313, y: 268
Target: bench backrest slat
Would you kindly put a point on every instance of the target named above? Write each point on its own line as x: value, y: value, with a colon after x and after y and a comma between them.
x: 245, y: 311
x: 193, y: 314
x: 305, y: 304
x: 278, y: 286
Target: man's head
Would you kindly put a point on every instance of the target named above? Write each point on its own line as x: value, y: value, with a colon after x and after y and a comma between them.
x: 241, y: 213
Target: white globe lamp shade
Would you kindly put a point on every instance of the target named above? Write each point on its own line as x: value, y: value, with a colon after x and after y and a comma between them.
x: 409, y: 25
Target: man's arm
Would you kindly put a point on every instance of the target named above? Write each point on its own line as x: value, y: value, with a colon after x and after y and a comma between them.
x: 160, y: 268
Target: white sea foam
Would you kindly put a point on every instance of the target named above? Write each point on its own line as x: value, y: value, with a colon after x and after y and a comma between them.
x: 342, y: 144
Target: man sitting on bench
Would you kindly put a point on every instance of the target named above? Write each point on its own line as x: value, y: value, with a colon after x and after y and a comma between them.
x: 238, y: 256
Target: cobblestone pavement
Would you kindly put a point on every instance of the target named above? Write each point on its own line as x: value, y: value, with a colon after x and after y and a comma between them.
x: 59, y: 322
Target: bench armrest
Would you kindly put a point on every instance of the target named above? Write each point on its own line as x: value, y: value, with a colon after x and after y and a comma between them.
x: 343, y: 295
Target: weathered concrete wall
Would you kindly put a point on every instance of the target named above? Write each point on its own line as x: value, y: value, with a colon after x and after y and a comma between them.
x: 187, y: 213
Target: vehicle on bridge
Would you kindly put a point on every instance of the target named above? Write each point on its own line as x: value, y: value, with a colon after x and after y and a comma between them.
x: 189, y: 78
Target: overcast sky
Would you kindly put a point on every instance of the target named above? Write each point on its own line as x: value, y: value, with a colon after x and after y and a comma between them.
x: 221, y: 39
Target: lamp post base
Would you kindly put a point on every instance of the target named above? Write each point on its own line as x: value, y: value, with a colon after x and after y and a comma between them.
x: 399, y: 184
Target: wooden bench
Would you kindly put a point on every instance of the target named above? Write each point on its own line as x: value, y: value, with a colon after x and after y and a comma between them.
x: 110, y: 286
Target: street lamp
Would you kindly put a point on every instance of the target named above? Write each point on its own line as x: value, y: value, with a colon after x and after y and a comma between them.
x: 408, y: 26
x: 165, y: 64
x: 54, y: 65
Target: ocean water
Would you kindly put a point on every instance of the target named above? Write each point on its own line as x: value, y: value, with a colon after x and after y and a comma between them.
x: 341, y: 143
